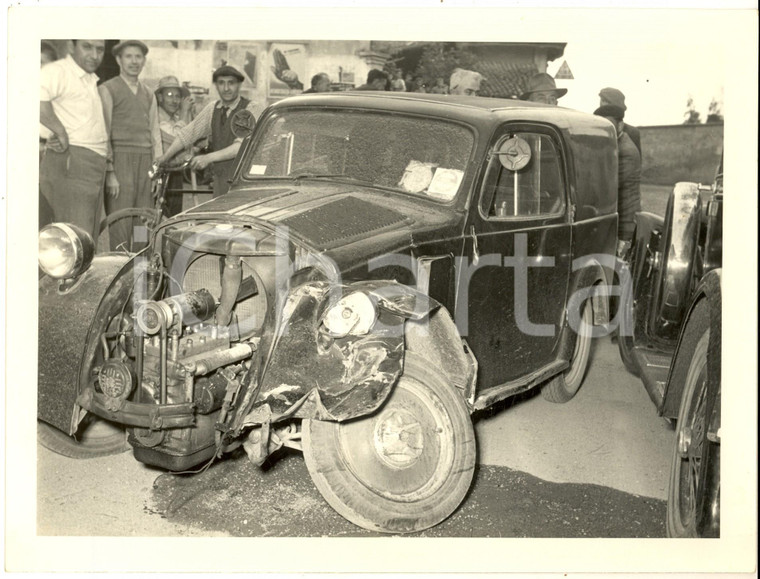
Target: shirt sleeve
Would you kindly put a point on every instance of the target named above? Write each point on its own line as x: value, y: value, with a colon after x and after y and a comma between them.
x: 199, y: 128
x: 50, y: 83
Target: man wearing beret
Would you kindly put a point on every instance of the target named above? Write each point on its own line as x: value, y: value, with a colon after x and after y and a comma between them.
x: 175, y: 111
x: 74, y: 163
x: 612, y: 96
x: 224, y: 122
x: 629, y: 178
x: 543, y: 89
x: 132, y: 122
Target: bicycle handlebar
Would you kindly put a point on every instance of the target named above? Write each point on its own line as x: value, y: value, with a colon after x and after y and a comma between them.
x: 157, y: 170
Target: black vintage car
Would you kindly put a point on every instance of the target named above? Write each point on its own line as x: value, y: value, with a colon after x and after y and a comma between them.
x: 671, y: 337
x: 382, y: 267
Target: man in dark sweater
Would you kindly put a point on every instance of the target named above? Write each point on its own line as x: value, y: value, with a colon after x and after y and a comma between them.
x: 629, y: 178
x: 225, y: 123
x: 132, y: 123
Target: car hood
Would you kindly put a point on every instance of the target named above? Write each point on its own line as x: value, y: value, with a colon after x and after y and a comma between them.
x: 335, y: 218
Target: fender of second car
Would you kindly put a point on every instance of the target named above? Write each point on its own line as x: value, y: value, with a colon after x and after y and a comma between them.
x: 313, y: 370
x: 708, y: 289
x: 67, y: 314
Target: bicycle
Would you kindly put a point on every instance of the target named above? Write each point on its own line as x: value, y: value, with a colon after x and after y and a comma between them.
x: 145, y: 217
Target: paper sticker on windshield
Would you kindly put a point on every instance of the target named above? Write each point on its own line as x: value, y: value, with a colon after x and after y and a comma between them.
x: 257, y: 170
x: 417, y: 176
x: 445, y: 183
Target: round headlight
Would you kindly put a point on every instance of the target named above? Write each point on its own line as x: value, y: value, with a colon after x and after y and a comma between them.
x: 65, y: 250
x: 353, y: 314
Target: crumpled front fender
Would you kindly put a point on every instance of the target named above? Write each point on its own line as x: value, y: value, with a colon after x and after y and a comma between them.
x: 64, y: 321
x: 308, y: 375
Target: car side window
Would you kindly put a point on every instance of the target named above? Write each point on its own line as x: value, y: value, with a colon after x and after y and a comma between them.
x: 523, y: 178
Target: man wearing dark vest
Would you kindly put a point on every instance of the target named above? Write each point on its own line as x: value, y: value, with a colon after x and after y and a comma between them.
x: 132, y: 122
x: 224, y: 122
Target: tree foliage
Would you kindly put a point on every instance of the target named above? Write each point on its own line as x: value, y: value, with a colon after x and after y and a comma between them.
x: 692, y: 114
x: 440, y: 60
x: 714, y: 112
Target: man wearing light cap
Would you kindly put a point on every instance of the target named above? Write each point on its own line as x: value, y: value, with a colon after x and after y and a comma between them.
x: 465, y: 82
x: 174, y: 114
x: 224, y: 122
x: 612, y: 96
x: 543, y: 89
x: 132, y: 122
x: 629, y: 178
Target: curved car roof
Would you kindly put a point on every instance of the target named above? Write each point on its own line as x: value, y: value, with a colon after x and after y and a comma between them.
x: 470, y: 109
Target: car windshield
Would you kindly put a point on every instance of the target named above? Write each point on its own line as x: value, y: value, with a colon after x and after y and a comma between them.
x: 419, y: 156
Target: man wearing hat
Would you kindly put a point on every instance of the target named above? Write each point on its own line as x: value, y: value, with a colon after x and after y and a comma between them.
x: 74, y: 163
x: 543, y: 89
x: 132, y: 122
x: 629, y: 177
x: 612, y: 96
x: 466, y: 82
x: 175, y: 107
x: 224, y: 122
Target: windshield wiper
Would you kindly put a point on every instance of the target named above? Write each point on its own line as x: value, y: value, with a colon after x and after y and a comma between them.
x: 338, y: 176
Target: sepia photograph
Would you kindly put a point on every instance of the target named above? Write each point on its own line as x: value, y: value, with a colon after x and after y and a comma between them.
x: 312, y: 280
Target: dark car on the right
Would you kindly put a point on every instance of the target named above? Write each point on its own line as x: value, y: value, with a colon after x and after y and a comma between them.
x: 670, y: 335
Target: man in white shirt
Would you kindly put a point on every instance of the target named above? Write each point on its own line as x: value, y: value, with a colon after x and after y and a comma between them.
x: 73, y: 168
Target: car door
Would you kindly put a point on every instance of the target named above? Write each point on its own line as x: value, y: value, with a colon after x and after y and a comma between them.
x: 513, y: 280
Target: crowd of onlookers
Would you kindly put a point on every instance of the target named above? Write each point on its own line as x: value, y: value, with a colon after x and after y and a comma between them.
x: 98, y: 142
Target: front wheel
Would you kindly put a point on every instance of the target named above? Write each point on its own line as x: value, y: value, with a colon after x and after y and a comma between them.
x: 405, y: 468
x: 694, y: 489
x: 95, y: 437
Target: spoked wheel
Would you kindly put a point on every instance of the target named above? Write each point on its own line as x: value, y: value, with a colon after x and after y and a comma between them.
x: 123, y: 223
x: 564, y: 386
x: 95, y: 437
x: 403, y: 469
x: 694, y: 490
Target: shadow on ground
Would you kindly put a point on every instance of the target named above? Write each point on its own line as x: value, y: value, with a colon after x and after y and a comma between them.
x: 240, y: 499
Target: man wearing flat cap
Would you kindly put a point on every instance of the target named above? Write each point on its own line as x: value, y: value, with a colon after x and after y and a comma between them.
x: 612, y: 96
x: 224, y: 122
x: 543, y: 89
x: 132, y: 121
x: 175, y: 108
x: 629, y: 177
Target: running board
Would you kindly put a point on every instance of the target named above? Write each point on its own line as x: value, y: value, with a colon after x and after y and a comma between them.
x: 497, y: 393
x: 654, y: 368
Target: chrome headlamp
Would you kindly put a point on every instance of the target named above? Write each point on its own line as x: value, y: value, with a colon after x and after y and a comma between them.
x: 353, y: 314
x: 65, y: 250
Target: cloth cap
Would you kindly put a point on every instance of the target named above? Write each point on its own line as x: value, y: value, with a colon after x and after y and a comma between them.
x: 612, y: 111
x: 542, y: 82
x: 116, y: 50
x: 462, y: 79
x: 227, y: 70
x: 613, y: 96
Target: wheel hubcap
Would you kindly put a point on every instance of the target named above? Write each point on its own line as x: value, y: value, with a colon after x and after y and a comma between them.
x: 398, y: 438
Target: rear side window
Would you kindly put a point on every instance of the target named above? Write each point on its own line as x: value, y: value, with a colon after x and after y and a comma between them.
x: 524, y: 178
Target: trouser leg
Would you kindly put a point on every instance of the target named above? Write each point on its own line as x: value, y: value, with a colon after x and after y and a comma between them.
x: 71, y: 184
x: 131, y: 170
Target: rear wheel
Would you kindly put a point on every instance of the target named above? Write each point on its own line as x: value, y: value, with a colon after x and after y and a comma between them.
x: 694, y: 489
x: 95, y: 437
x: 405, y: 468
x: 564, y: 386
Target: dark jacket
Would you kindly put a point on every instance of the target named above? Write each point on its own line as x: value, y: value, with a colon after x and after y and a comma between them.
x: 633, y: 132
x: 629, y: 183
